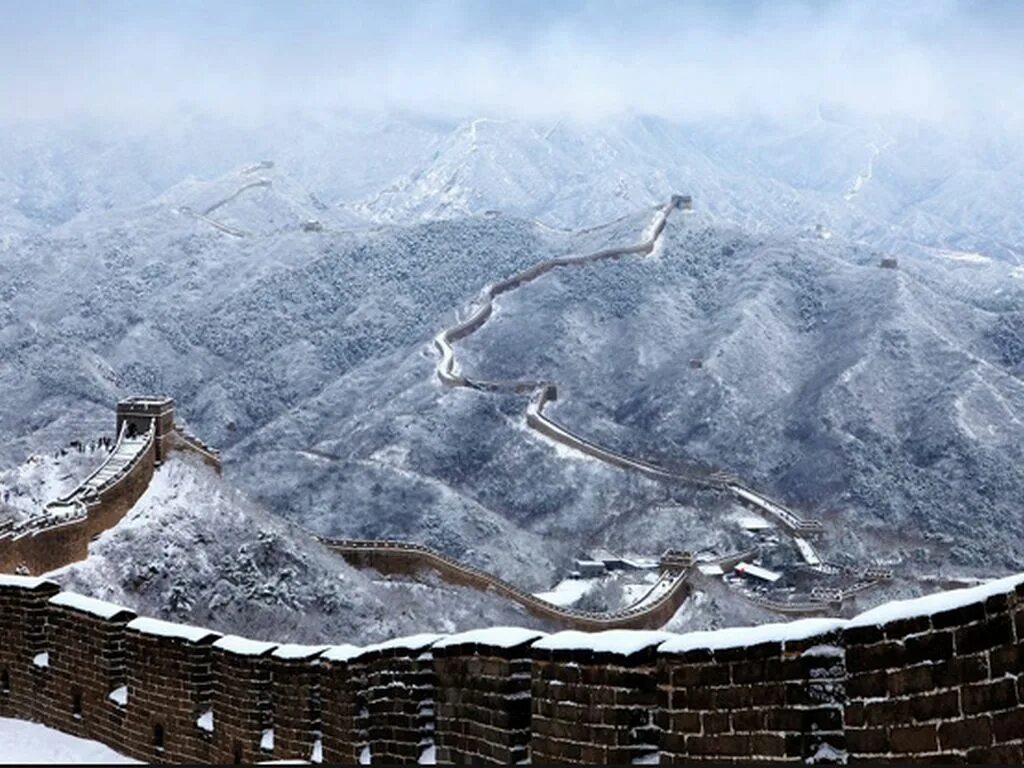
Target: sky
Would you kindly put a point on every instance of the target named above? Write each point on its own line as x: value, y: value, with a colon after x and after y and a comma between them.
x: 934, y: 59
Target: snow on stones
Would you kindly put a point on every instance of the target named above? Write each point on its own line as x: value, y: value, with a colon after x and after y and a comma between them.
x: 161, y: 628
x: 495, y: 637
x: 623, y: 642
x: 937, y: 603
x: 243, y: 646
x: 99, y: 608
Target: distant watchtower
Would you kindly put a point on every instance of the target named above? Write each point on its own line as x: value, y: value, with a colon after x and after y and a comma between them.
x: 139, y: 412
x: 683, y: 202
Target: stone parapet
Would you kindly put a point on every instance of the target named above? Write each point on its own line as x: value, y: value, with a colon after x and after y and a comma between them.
x: 937, y: 679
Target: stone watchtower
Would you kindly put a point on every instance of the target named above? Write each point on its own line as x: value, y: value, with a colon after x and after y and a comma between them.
x: 139, y: 412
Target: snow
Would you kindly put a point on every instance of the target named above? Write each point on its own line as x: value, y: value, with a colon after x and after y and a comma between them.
x: 244, y: 646
x: 496, y: 637
x: 825, y: 651
x: 738, y: 637
x: 567, y: 592
x: 618, y: 641
x: 937, y: 603
x: 41, y: 660
x: 342, y: 652
x: 826, y: 753
x: 91, y: 605
x: 161, y: 628
x: 119, y: 696
x: 293, y: 651
x: 267, y: 740
x: 428, y: 756
x: 972, y: 257
x: 710, y: 569
x: 753, y: 523
x: 31, y: 743
x: 317, y: 755
x: 23, y: 582
x: 205, y: 721
x: 807, y: 551
x: 650, y: 758
x: 410, y: 643
x: 364, y: 755
x: 759, y: 572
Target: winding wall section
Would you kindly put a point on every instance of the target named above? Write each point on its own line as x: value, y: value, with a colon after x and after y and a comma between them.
x: 653, y: 609
x: 543, y: 392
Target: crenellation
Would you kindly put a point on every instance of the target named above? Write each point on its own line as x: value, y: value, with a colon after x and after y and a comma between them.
x: 813, y: 690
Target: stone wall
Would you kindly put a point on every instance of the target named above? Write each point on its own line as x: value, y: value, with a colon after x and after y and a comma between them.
x: 947, y: 685
x: 768, y: 697
x: 483, y: 690
x: 595, y: 704
x: 56, y: 542
x: 935, y: 679
x: 406, y: 559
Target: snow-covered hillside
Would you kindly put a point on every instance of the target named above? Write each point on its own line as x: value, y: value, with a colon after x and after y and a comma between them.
x: 886, y: 402
x: 26, y: 489
x: 196, y: 550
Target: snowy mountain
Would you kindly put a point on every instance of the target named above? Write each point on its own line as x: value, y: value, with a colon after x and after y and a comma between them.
x: 893, y: 185
x: 881, y: 401
x: 290, y: 307
x: 193, y: 549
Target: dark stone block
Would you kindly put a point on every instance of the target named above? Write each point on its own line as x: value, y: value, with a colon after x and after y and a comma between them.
x: 867, y: 741
x: 902, y: 628
x: 984, y: 635
x: 930, y: 647
x: 862, y: 636
x: 1004, y: 754
x: 989, y: 697
x: 1008, y: 726
x: 935, y: 706
x: 868, y: 685
x: 886, y: 655
x: 919, y: 739
x: 959, y: 616
x: 959, y: 670
x: 1006, y: 660
x: 911, y: 680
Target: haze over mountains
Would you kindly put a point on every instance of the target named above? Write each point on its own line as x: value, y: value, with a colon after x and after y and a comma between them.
x: 894, y: 182
x: 888, y: 403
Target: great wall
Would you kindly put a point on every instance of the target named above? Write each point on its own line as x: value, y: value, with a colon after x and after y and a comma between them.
x: 60, y: 533
x: 542, y: 392
x: 935, y: 679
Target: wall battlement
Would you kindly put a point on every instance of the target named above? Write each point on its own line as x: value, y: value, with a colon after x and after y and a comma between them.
x: 939, y: 678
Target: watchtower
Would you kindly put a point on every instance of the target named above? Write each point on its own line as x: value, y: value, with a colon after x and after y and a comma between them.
x: 683, y: 202
x: 139, y: 412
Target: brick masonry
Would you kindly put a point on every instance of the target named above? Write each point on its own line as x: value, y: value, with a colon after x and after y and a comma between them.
x: 594, y: 707
x: 780, y: 700
x: 483, y: 701
x: 938, y: 680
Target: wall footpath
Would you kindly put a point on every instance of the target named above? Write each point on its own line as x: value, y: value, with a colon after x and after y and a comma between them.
x: 939, y: 678
x: 61, y: 535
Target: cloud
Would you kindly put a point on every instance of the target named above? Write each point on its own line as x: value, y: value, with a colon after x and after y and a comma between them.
x: 934, y: 59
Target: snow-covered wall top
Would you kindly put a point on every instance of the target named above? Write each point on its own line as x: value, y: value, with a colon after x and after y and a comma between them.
x: 898, y: 682
x: 622, y: 642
